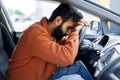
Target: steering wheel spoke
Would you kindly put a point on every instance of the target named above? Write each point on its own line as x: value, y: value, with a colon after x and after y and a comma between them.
x: 82, y: 35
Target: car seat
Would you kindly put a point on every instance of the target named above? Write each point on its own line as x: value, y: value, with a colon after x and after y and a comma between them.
x: 6, y: 48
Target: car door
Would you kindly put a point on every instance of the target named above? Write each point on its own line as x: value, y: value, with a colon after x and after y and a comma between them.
x: 22, y: 15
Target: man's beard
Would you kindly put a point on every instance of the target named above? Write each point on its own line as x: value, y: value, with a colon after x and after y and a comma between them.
x: 58, y: 33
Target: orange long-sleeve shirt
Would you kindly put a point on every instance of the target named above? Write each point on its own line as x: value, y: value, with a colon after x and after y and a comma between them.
x: 36, y: 56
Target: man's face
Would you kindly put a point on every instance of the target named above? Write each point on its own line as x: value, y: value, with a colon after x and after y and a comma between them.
x: 63, y: 29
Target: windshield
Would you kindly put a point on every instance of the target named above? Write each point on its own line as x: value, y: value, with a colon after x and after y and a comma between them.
x: 109, y: 4
x: 112, y: 5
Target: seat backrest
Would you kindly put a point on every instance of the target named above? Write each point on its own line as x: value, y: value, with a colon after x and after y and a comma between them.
x: 6, y: 48
x: 2, y: 76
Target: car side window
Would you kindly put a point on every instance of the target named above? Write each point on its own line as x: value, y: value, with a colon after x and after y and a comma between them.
x: 23, y: 15
x: 113, y: 27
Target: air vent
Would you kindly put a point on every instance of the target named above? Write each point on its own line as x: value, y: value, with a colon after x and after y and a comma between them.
x: 117, y: 73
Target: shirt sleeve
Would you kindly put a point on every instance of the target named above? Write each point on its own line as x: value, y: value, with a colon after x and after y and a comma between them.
x: 63, y: 55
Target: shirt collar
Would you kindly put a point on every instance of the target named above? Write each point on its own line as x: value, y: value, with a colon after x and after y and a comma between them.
x: 44, y: 23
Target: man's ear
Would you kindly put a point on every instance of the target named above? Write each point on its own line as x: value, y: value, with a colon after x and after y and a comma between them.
x: 58, y: 20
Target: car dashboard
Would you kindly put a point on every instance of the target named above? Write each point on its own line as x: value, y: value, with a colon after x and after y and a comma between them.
x: 108, y: 65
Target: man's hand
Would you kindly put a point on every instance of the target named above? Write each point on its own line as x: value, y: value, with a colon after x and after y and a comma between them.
x: 80, y: 25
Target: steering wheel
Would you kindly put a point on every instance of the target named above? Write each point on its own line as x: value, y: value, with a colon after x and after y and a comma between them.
x: 81, y: 38
x: 82, y: 35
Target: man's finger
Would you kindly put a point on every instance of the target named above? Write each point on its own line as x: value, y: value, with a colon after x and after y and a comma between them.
x: 84, y: 22
x: 81, y: 24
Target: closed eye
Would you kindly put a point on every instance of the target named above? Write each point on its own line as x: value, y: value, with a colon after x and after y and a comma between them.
x: 70, y: 27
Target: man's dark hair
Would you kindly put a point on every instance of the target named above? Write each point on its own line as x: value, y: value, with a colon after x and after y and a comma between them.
x: 66, y: 12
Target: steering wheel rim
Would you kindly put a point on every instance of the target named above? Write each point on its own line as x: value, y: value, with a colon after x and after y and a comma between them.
x: 82, y: 35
